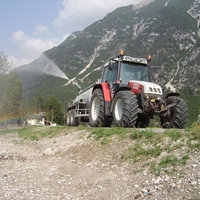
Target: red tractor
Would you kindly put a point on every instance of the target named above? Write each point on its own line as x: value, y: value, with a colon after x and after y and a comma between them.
x: 126, y: 95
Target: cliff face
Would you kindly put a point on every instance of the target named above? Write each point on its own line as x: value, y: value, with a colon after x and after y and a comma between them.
x: 167, y: 29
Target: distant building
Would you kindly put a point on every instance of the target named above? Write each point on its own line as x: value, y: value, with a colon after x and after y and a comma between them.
x: 35, y: 119
x: 38, y: 119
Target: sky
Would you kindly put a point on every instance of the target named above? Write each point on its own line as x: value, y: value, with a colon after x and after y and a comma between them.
x: 29, y: 27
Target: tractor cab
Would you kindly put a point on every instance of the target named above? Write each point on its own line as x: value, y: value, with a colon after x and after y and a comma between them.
x: 127, y: 71
x: 125, y: 68
x: 122, y: 72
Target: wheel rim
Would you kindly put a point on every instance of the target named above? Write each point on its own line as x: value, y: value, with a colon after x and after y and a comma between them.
x: 95, y: 108
x: 118, y: 109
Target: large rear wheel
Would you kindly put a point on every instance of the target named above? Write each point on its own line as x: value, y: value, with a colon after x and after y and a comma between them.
x: 97, y: 110
x: 125, y: 109
x: 178, y: 114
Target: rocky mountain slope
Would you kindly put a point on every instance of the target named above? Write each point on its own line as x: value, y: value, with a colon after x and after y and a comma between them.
x: 167, y: 29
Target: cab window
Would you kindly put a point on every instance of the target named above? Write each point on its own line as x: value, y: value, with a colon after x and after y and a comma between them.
x: 110, y: 74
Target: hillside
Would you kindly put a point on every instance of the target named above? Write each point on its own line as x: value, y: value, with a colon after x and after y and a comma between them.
x: 99, y: 163
x: 166, y: 29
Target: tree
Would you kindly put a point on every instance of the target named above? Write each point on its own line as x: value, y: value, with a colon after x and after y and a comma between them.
x: 54, y: 111
x: 10, y: 88
x: 39, y: 103
x: 5, y: 65
x: 12, y: 95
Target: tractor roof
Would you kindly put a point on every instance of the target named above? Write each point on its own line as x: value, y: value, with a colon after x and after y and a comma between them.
x: 142, y: 61
x: 132, y: 59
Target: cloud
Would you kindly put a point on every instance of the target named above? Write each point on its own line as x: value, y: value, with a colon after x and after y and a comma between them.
x: 31, y: 47
x: 77, y: 14
x: 18, y: 36
x: 41, y: 30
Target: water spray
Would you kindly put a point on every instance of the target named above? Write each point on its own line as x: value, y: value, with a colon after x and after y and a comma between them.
x: 45, y: 65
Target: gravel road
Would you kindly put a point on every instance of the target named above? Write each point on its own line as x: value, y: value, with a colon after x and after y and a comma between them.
x: 72, y: 167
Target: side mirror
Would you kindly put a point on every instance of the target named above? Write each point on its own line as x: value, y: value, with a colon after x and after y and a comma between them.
x: 111, y: 66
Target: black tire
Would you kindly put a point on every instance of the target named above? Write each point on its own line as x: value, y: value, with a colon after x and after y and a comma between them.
x: 178, y: 114
x: 125, y: 109
x: 97, y: 110
x: 69, y: 118
x: 142, y: 121
x: 72, y: 119
x: 76, y: 122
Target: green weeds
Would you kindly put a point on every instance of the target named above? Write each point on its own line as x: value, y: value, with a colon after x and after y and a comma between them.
x: 138, y: 152
x: 38, y: 132
x: 168, y: 164
x: 151, y: 146
x: 173, y: 134
x: 137, y: 135
x: 4, y: 132
x: 105, y: 134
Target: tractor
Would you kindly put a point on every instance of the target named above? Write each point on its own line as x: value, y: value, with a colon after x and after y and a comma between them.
x: 126, y: 97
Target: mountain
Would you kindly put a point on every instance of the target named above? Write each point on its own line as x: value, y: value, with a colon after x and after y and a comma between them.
x: 167, y: 29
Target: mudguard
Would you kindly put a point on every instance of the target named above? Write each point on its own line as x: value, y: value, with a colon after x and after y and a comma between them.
x: 107, y: 96
x: 106, y: 90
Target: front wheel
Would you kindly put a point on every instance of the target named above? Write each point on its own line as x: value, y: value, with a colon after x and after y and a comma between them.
x: 178, y: 114
x: 125, y: 109
x: 97, y: 115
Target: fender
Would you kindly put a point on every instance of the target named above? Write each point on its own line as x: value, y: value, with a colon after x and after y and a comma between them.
x: 124, y: 87
x: 107, y: 97
x: 106, y: 90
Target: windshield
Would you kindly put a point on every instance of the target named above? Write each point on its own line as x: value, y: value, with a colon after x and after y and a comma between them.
x: 133, y: 71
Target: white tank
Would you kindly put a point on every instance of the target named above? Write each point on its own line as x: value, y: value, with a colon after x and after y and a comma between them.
x: 84, y: 97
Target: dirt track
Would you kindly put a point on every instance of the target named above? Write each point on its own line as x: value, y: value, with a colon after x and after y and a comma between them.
x: 74, y: 167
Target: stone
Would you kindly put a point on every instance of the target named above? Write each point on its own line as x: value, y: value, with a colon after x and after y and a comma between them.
x: 166, y: 179
x: 49, y: 152
x: 173, y: 185
x: 157, y: 181
x: 136, y: 186
x: 194, y: 183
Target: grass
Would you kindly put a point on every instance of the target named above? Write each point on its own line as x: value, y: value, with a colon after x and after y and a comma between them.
x: 38, y: 132
x: 138, y: 152
x: 152, y: 146
x: 168, y: 164
x: 105, y: 134
x: 4, y: 132
x: 154, y: 150
x: 147, y: 134
x: 174, y: 134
